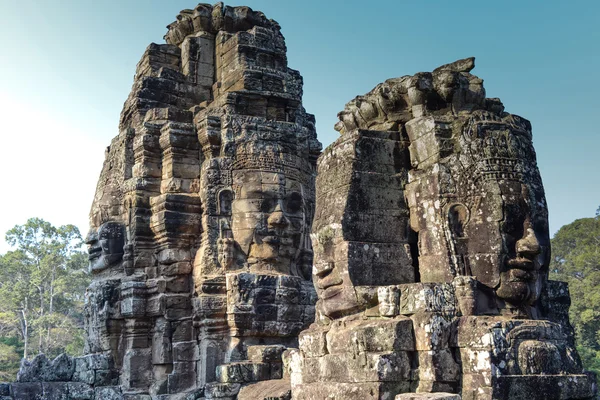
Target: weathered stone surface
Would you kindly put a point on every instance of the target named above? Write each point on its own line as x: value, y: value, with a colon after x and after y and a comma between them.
x: 428, y: 396
x: 108, y: 393
x: 80, y: 391
x: 430, y: 237
x: 279, y: 389
x: 199, y: 240
x: 431, y: 254
x: 41, y: 369
x: 55, y: 391
x: 27, y: 390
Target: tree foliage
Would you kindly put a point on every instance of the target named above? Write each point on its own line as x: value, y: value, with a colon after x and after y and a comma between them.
x: 42, y: 285
x: 576, y: 260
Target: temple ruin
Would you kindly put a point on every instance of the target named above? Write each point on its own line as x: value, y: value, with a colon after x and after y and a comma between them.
x: 232, y: 258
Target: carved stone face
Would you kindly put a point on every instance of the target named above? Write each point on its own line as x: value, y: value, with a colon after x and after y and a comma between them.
x: 331, y: 277
x: 105, y: 246
x: 508, y: 242
x: 506, y: 239
x: 268, y: 219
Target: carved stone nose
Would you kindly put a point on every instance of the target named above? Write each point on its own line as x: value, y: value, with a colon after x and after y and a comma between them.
x: 277, y: 218
x: 528, y: 246
x: 323, y: 269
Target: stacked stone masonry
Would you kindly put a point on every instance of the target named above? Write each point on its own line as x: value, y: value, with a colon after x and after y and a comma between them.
x: 413, y: 265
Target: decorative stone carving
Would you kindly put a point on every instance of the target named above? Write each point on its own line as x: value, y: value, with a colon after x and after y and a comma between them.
x: 106, y: 245
x: 431, y: 254
x: 199, y: 228
x: 430, y: 239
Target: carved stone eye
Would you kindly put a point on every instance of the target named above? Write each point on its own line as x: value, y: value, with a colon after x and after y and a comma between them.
x: 266, y: 205
x: 293, y: 202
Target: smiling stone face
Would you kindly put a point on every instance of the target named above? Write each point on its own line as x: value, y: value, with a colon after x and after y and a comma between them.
x: 480, y: 210
x: 508, y: 241
x: 105, y: 246
x: 268, y: 219
x: 361, y: 238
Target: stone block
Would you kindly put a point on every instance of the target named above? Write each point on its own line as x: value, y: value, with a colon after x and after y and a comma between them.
x: 94, y: 361
x: 179, y: 383
x: 372, y: 336
x: 365, y: 367
x: 243, y: 372
x: 218, y: 390
x: 183, y: 331
x: 55, y: 391
x: 108, y: 393
x: 290, y: 312
x: 433, y: 297
x: 137, y: 368
x: 60, y: 369
x: 438, y: 366
x: 27, y: 391
x: 265, y: 354
x: 349, y: 391
x: 279, y: 389
x: 265, y: 312
x: 4, y: 389
x: 170, y: 256
x: 548, y: 387
x: 432, y: 331
x: 137, y: 397
x: 184, y: 367
x: 276, y: 370
x: 80, y: 391
x: 106, y: 377
x: 185, y: 351
x: 313, y: 342
x: 86, y: 376
x: 177, y: 301
x: 428, y: 396
x: 178, y: 268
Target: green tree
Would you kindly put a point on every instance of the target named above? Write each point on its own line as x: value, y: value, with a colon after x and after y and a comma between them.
x: 576, y: 260
x: 42, y: 285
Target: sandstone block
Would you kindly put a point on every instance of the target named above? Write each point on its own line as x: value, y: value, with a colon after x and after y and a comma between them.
x: 279, y: 389
x: 313, y: 342
x: 372, y: 336
x: 265, y: 354
x: 243, y: 372
x: 428, y: 396
x: 80, y: 391
x: 27, y: 390
x: 108, y: 393
x: 432, y: 331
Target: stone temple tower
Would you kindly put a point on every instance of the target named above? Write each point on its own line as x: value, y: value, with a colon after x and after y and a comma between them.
x: 199, y: 241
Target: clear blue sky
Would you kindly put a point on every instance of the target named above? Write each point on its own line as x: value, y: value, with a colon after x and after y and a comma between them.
x: 67, y: 67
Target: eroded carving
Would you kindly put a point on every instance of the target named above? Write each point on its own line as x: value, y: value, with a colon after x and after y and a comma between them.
x: 431, y: 253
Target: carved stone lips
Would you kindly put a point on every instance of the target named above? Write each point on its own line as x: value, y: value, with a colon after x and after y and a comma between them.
x: 327, y: 281
x: 94, y: 252
x: 332, y: 291
x: 271, y: 240
x: 283, y: 240
x: 519, y: 275
x: 522, y: 263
